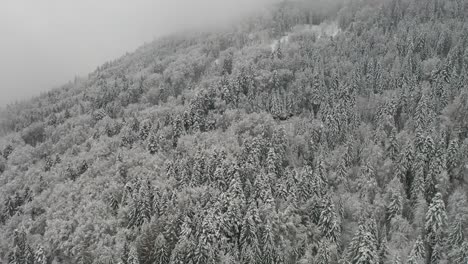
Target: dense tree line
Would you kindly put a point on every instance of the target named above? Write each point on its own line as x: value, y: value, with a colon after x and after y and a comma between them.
x: 344, y: 141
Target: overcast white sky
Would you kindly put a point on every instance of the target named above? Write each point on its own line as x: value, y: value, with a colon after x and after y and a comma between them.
x: 45, y: 43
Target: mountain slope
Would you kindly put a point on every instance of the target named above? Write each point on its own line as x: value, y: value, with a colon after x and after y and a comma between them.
x: 312, y: 133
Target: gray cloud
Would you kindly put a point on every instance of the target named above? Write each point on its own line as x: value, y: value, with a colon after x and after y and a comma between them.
x: 45, y: 43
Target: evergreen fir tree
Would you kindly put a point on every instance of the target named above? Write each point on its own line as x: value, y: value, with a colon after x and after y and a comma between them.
x: 395, y: 204
x: 271, y: 161
x: 324, y: 255
x: 249, y: 242
x: 145, y: 201
x: 393, y: 147
x: 435, y: 176
x: 83, y: 255
x: 9, y: 207
x: 58, y: 160
x: 133, y: 256
x: 161, y: 250
x: 417, y: 254
x: 329, y: 223
x: 29, y: 259
x: 232, y: 220
x: 342, y: 172
x: 152, y: 145
x: 145, y: 130
x: 183, y: 252
x: 418, y: 183
x: 12, y: 258
x: 135, y: 124
x: 19, y: 253
x: 48, y: 164
x: 268, y: 245
x: 453, y: 159
x: 125, y: 253
x: 319, y: 179
x: 40, y: 256
x: 66, y: 114
x: 383, y: 248
x: 436, y: 219
x: 83, y: 167
x: 459, y: 254
x: 363, y: 247
x: 437, y: 252
x: 7, y: 151
x: 457, y: 213
x: 456, y: 235
x: 263, y: 190
x: 145, y: 243
x: 177, y: 130
x: 208, y: 237
x: 198, y: 175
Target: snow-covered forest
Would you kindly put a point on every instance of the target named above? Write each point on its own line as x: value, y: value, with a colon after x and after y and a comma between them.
x: 312, y: 132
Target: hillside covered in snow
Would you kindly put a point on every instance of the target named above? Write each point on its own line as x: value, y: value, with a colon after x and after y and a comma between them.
x: 314, y: 132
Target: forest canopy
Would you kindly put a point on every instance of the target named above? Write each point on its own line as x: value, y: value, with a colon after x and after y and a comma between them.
x: 314, y: 132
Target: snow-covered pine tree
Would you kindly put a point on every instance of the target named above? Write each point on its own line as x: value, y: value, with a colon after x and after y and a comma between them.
x: 436, y: 219
x: 40, y: 256
x: 363, y: 247
x: 417, y: 254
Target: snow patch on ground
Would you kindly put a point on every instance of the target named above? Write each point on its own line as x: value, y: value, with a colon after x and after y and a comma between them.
x: 279, y: 42
x: 325, y: 29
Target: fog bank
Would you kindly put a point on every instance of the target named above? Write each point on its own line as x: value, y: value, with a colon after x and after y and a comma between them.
x: 46, y: 43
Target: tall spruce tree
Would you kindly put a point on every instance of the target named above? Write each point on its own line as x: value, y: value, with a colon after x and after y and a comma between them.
x: 363, y: 247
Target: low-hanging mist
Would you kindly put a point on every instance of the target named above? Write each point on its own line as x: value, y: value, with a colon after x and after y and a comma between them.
x: 47, y: 43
